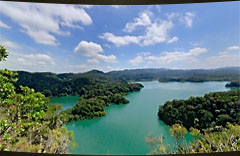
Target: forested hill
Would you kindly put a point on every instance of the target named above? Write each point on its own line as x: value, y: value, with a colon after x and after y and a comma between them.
x: 72, y: 84
x: 165, y: 75
x: 51, y: 84
x: 216, y: 108
x: 95, y: 88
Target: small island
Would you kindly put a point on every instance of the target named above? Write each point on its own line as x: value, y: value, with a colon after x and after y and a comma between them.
x: 233, y: 84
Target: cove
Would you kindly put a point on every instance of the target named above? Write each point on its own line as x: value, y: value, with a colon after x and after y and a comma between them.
x: 124, y: 128
x: 65, y: 101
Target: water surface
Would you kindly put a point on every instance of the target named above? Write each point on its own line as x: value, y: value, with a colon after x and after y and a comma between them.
x: 123, y: 129
x: 66, y: 101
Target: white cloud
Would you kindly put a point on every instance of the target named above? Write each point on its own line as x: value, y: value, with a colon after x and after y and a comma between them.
x: 168, y: 57
x: 136, y: 60
x: 229, y: 57
x: 174, y: 39
x: 9, y: 45
x: 190, y: 59
x: 110, y: 58
x: 36, y: 59
x: 142, y: 20
x: 30, y: 62
x: 93, y: 61
x: 41, y: 21
x: 88, y: 49
x: 119, y: 40
x: 4, y: 25
x: 223, y: 59
x: 188, y: 19
x: 155, y: 31
x: 94, y: 50
x: 233, y: 48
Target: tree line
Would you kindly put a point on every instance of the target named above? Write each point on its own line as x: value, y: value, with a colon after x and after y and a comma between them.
x: 213, y: 109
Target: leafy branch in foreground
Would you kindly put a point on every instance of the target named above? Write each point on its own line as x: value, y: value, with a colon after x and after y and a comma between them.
x: 217, y: 139
x: 3, y: 53
x: 27, y: 122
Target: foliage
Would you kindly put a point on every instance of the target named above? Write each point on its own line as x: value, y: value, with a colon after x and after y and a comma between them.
x: 95, y: 88
x: 27, y: 122
x: 217, y: 139
x: 213, y: 109
x: 235, y: 83
x: 3, y: 53
x: 95, y: 98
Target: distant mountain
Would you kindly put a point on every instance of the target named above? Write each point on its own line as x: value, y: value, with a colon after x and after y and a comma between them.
x: 227, y: 73
x: 70, y: 83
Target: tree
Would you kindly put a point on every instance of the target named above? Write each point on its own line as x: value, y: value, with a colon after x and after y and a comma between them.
x: 3, y: 53
x: 217, y: 139
x: 27, y: 122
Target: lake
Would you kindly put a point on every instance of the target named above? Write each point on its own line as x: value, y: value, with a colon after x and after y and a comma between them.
x: 66, y: 101
x: 124, y: 128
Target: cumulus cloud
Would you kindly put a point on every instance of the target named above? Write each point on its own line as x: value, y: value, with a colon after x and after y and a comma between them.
x: 94, y: 51
x: 174, y: 39
x: 155, y: 31
x: 136, y: 60
x: 233, y: 48
x: 41, y: 21
x: 4, y: 25
x: 223, y: 59
x: 229, y: 57
x: 120, y: 40
x: 168, y: 57
x: 36, y: 59
x: 31, y: 62
x: 142, y: 20
x: 9, y: 44
x: 190, y: 59
x: 88, y: 49
x: 95, y: 61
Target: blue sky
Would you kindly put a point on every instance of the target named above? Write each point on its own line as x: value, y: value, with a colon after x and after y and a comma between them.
x: 79, y: 38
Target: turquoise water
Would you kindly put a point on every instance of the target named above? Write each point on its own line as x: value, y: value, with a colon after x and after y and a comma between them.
x: 123, y: 129
x: 66, y: 101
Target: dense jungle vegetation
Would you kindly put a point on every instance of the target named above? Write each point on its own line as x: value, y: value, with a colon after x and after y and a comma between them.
x: 212, y: 120
x: 28, y: 123
x: 96, y: 90
x: 213, y: 109
x: 95, y: 98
